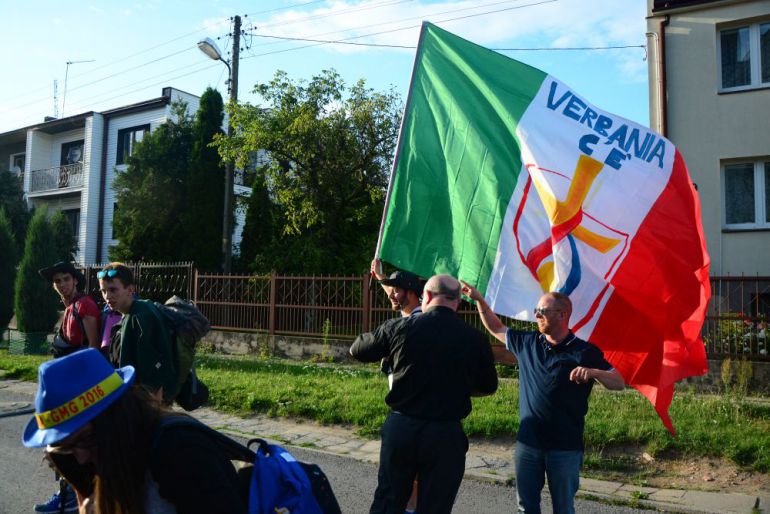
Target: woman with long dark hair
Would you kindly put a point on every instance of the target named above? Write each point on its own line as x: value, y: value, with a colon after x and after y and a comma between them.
x: 104, y: 436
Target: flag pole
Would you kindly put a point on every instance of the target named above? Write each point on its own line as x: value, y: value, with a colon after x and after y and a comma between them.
x: 398, y: 144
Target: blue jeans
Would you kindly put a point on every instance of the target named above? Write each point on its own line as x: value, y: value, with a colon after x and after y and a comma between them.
x: 562, y: 467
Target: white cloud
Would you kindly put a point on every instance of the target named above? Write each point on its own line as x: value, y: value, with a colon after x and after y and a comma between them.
x: 514, y: 23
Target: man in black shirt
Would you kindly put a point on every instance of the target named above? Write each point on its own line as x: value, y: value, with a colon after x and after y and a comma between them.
x: 439, y: 362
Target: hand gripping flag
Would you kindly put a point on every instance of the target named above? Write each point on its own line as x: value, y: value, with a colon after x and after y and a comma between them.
x: 509, y: 179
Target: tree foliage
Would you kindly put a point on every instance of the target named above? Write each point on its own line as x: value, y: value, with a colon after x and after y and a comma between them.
x: 7, y: 269
x: 12, y: 199
x: 170, y: 198
x: 63, y: 238
x: 36, y: 303
x: 328, y: 151
x: 259, y: 231
x: 150, y: 193
x: 205, y: 186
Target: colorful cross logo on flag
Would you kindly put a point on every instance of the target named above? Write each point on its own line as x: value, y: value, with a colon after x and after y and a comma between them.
x: 508, y: 179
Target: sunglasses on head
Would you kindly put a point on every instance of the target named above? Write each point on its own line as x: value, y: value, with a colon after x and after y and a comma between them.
x: 110, y: 273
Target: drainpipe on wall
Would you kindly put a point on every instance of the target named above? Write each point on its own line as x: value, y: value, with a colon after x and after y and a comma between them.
x: 102, y: 190
x: 662, y: 107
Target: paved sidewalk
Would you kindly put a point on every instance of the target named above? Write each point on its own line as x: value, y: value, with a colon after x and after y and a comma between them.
x: 485, y: 461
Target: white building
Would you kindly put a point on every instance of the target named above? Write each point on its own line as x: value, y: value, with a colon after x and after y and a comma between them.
x: 69, y: 164
x: 709, y: 72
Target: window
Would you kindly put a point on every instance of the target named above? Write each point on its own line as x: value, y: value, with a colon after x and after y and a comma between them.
x: 747, y: 194
x: 71, y: 152
x: 17, y: 163
x: 127, y: 139
x: 744, y: 57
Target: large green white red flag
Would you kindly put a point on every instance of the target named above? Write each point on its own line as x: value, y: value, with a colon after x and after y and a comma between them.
x: 509, y: 179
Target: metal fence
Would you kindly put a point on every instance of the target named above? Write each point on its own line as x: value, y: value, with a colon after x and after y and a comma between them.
x: 737, y: 317
x: 154, y: 281
x: 319, y: 306
x: 344, y: 306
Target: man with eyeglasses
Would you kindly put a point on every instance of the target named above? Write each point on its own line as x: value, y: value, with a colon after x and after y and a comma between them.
x: 556, y: 374
x: 439, y: 362
x: 144, y: 339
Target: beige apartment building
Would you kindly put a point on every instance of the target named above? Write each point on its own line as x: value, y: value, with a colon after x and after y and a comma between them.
x: 709, y: 87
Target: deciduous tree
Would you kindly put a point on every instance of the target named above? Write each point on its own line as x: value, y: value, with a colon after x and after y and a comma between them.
x: 328, y: 152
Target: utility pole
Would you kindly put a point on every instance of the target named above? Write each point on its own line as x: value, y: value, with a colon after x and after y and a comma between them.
x: 227, y: 229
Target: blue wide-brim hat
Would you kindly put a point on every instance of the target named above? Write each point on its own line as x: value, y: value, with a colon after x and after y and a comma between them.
x: 72, y: 391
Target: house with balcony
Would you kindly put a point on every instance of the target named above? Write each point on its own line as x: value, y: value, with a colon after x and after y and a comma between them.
x: 69, y: 164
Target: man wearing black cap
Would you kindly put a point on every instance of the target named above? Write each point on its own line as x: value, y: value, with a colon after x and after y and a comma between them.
x: 80, y: 325
x: 404, y: 289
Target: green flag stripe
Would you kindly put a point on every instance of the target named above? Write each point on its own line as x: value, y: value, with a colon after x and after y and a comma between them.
x: 458, y: 158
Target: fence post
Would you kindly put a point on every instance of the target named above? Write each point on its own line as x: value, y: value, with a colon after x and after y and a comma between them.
x: 195, y: 285
x: 190, y: 280
x: 366, y: 307
x: 271, y: 321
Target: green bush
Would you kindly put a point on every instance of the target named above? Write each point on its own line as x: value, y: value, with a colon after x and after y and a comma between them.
x: 7, y: 269
x: 36, y: 303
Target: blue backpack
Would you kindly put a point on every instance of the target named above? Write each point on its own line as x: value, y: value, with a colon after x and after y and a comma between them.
x: 272, y: 480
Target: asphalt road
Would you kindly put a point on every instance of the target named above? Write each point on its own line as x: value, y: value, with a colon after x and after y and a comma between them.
x: 26, y: 480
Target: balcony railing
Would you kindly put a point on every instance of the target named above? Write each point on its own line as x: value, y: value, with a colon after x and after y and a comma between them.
x: 59, y: 177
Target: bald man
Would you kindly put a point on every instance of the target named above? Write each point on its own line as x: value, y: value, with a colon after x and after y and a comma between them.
x: 439, y: 362
x: 556, y: 374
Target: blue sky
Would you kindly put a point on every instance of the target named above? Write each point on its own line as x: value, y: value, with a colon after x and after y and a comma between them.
x: 139, y: 47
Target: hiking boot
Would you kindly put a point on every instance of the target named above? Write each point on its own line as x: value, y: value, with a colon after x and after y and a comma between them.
x: 53, y: 505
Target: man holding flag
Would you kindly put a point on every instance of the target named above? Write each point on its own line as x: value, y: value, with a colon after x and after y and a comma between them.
x: 509, y: 179
x: 556, y: 374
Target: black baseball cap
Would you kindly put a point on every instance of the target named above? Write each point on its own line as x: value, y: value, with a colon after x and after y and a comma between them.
x: 405, y: 280
x: 64, y: 267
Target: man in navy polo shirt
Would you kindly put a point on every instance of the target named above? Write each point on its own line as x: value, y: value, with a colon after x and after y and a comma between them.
x: 556, y: 373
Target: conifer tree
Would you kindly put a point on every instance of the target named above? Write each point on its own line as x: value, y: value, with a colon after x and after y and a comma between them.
x: 7, y: 269
x: 36, y: 303
x: 64, y: 240
x: 12, y: 199
x: 259, y: 230
x: 202, y: 219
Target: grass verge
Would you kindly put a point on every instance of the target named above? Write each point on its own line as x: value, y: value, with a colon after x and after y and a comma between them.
x: 732, y: 427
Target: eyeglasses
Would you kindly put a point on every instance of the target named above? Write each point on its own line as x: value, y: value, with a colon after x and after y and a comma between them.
x: 110, y: 273
x: 85, y: 441
x: 542, y: 311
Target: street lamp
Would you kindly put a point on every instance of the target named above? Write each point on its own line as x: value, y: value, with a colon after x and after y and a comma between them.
x: 209, y: 47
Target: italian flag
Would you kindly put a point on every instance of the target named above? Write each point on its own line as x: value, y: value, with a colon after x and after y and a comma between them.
x: 508, y: 179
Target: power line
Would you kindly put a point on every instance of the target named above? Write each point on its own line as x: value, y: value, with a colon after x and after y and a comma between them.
x: 402, y: 28
x: 529, y: 49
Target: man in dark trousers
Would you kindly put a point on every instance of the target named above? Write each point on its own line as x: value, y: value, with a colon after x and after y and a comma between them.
x: 556, y: 373
x: 439, y: 362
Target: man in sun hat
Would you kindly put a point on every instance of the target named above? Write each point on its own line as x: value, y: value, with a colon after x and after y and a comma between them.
x: 72, y: 391
x: 80, y: 325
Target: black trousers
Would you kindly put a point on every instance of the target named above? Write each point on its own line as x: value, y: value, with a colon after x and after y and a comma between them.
x: 431, y: 451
